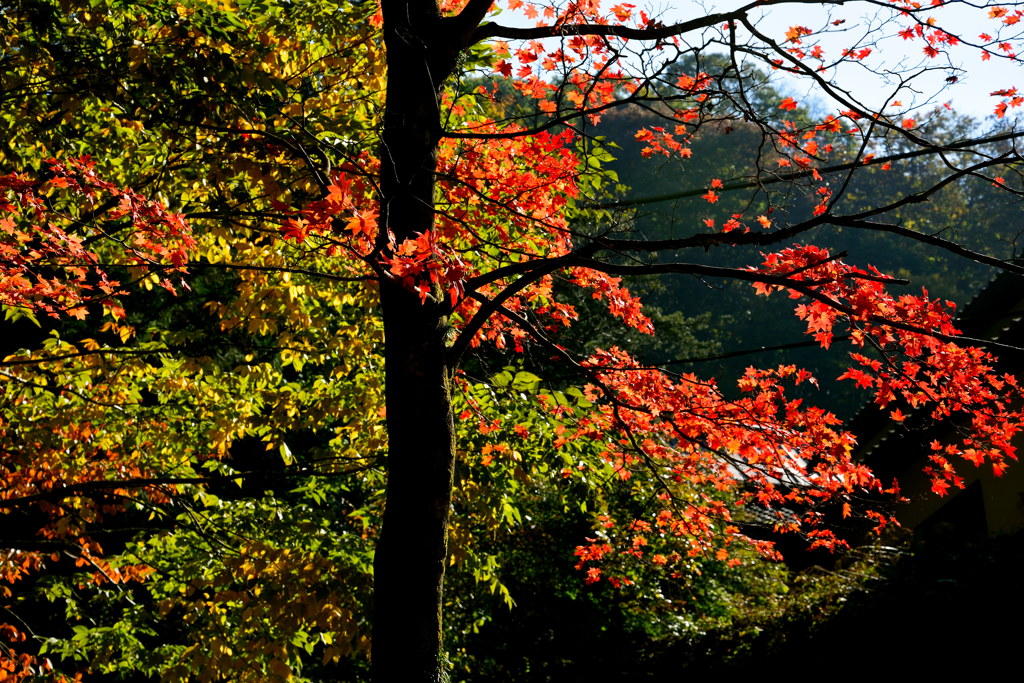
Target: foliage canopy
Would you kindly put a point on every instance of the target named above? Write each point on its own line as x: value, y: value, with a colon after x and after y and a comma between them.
x: 296, y: 280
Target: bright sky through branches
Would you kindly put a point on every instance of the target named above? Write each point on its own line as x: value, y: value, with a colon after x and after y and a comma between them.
x: 896, y: 70
x: 958, y: 76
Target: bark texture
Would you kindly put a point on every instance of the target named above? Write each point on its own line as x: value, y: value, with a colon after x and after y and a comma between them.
x: 411, y: 551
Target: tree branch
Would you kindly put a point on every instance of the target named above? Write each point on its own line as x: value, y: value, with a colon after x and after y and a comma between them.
x: 807, y: 173
x: 492, y: 30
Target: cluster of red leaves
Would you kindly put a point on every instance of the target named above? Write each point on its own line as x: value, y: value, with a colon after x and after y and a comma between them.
x: 579, y: 89
x: 581, y: 12
x: 915, y: 361
x: 713, y: 456
x: 935, y: 39
x: 15, y: 666
x: 589, y: 67
x: 658, y: 139
x: 423, y: 266
x: 1012, y: 100
x: 503, y: 201
x: 42, y: 267
x: 346, y: 218
x: 508, y: 205
x: 46, y: 267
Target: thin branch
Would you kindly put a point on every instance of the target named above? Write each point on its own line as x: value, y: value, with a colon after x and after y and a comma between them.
x: 797, y: 175
x: 103, y: 487
x: 747, y: 352
x: 934, y: 240
x: 284, y: 269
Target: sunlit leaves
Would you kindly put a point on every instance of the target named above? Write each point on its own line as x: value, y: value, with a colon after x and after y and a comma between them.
x: 240, y: 426
x: 167, y: 416
x: 910, y: 356
x: 46, y: 266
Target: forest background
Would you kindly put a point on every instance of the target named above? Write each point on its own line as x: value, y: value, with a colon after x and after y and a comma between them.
x: 193, y: 417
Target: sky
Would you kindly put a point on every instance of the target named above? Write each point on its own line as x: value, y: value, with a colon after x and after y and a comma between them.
x: 975, y: 78
x: 958, y: 76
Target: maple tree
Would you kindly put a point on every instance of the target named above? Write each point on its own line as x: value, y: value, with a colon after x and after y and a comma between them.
x: 445, y: 273
x: 469, y: 207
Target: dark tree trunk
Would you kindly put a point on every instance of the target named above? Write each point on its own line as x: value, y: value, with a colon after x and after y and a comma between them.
x: 410, y: 556
x: 411, y: 551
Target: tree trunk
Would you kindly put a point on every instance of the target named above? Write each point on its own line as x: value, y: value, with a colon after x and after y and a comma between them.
x: 410, y: 557
x: 411, y: 551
